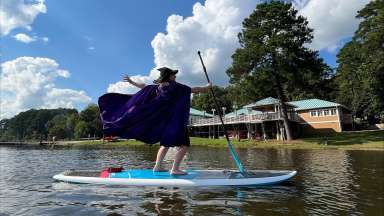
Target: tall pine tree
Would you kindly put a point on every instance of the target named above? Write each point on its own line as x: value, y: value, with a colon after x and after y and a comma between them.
x: 273, y: 60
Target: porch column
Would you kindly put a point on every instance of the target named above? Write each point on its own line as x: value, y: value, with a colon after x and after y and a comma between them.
x: 263, y: 129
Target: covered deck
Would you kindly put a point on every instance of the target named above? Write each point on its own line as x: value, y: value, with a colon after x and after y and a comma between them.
x: 260, y: 119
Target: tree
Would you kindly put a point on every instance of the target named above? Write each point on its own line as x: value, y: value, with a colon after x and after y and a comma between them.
x: 81, y: 129
x: 204, y: 101
x: 360, y: 74
x: 57, y: 127
x: 5, y: 134
x: 91, y: 116
x: 71, y: 122
x: 244, y: 92
x: 273, y: 58
x: 31, y: 124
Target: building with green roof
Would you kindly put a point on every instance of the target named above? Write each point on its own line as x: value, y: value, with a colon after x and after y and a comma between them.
x: 263, y: 119
x: 314, y: 104
x: 195, y: 112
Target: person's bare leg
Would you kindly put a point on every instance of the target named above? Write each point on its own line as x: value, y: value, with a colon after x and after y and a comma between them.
x: 178, y: 158
x: 160, y: 156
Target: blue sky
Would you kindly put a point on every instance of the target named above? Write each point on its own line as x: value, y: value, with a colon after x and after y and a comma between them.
x: 120, y: 32
x: 96, y: 41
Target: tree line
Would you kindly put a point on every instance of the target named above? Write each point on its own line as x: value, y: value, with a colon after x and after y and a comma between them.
x: 44, y: 124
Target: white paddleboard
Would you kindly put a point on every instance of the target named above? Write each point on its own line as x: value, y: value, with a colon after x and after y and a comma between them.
x: 146, y: 177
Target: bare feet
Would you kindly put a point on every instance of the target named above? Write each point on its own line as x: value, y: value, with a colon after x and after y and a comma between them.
x: 178, y: 172
x: 159, y: 169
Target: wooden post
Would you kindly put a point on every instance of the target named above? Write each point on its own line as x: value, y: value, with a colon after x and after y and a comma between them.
x: 277, y: 130
x: 263, y: 129
x: 209, y: 131
x: 255, y: 128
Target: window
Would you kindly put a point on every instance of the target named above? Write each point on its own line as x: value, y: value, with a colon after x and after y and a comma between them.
x: 320, y: 113
x: 326, y: 112
x: 333, y: 111
x: 313, y: 113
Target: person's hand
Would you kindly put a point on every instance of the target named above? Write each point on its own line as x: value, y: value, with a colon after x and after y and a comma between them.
x: 209, y: 85
x: 126, y: 78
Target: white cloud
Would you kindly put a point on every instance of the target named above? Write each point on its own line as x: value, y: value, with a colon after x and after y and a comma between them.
x: 64, y: 98
x: 126, y: 88
x: 24, y: 38
x: 332, y: 21
x: 19, y: 14
x: 213, y: 29
x: 28, y: 82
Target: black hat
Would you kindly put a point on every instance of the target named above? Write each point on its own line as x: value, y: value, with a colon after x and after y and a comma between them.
x: 165, y: 72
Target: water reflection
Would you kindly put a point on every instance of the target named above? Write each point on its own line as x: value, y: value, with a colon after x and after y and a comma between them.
x: 329, y: 182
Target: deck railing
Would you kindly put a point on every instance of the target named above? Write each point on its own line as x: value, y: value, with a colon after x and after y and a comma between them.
x: 253, y: 118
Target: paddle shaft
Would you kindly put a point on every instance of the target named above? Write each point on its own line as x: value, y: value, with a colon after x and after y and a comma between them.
x: 231, y: 149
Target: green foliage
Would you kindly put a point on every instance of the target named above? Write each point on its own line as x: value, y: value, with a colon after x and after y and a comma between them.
x: 273, y: 60
x: 31, y: 125
x: 273, y: 55
x: 70, y: 125
x: 244, y: 92
x: 57, y: 127
x: 44, y: 124
x: 360, y: 75
x: 5, y: 133
x: 204, y: 101
x: 91, y: 117
x: 82, y: 130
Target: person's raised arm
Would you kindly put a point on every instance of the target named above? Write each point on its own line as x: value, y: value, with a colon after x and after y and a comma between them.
x: 138, y: 85
x: 202, y: 89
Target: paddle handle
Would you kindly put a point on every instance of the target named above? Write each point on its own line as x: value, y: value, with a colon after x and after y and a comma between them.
x: 231, y: 150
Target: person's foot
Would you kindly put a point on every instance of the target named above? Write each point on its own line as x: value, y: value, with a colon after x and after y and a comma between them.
x: 178, y: 172
x: 159, y: 169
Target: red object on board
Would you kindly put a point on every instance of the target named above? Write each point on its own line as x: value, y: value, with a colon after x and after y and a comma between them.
x: 105, y: 172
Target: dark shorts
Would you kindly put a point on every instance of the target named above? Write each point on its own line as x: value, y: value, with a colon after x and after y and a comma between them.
x: 186, y: 139
x: 185, y: 143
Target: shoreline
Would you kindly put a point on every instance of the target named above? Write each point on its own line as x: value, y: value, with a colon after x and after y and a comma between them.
x: 367, y: 140
x: 222, y: 143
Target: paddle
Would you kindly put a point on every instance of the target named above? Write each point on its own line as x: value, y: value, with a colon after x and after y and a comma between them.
x: 231, y: 150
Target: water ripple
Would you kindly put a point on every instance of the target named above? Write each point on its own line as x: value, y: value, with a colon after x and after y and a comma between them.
x: 329, y: 182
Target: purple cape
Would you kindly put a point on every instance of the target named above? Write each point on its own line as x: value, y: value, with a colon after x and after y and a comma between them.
x: 156, y: 113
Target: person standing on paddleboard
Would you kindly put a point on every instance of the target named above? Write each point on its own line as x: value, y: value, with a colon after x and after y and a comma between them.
x: 156, y: 113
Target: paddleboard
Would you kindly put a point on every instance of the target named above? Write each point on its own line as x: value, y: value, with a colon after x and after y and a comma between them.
x: 146, y: 177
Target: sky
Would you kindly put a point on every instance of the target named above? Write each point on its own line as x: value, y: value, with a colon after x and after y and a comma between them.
x: 68, y: 53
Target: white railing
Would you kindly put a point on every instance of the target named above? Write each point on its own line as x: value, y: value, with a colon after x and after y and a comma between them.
x: 254, y: 118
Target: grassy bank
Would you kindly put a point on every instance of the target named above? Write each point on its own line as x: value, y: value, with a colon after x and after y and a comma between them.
x: 367, y: 140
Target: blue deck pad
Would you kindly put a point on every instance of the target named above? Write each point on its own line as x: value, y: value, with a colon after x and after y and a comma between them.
x: 149, y: 174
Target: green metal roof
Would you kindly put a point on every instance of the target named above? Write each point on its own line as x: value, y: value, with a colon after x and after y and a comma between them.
x: 299, y: 105
x: 196, y: 112
x: 263, y: 102
x: 313, y: 104
x: 242, y: 111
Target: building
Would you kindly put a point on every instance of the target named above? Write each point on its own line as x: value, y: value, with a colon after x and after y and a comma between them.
x: 263, y: 120
x: 195, y: 114
x: 320, y: 116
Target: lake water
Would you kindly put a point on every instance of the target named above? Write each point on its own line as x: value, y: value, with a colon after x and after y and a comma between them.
x: 329, y: 182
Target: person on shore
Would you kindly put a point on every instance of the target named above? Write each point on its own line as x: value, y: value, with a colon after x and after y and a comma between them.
x: 156, y: 113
